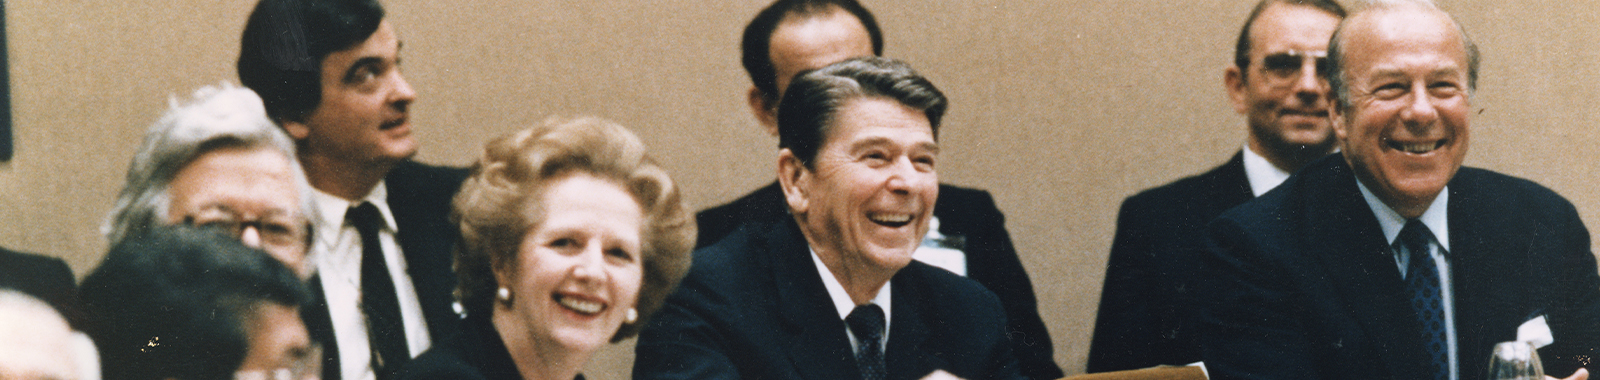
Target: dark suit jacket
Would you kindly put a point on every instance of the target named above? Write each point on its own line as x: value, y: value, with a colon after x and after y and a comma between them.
x: 1146, y: 310
x: 991, y: 259
x: 46, y: 278
x: 419, y: 197
x: 477, y: 353
x: 1303, y: 284
x: 754, y: 307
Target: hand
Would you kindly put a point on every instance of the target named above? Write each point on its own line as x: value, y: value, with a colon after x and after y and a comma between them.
x: 942, y: 375
x: 1582, y: 374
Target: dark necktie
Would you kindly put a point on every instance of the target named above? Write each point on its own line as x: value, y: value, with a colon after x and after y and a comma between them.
x: 866, y: 321
x: 386, y: 331
x: 1422, y: 283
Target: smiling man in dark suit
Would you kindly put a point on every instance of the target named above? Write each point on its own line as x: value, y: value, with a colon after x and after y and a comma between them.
x: 832, y: 292
x: 968, y: 236
x: 1391, y: 260
x: 328, y: 72
x: 1146, y: 309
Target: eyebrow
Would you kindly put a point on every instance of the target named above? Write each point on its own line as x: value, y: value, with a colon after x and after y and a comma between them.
x: 879, y: 140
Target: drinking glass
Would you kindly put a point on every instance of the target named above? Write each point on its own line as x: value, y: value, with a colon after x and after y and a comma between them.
x: 1515, y: 361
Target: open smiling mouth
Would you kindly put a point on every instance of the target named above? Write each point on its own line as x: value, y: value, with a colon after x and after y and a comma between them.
x: 1415, y: 148
x: 392, y: 124
x: 580, y: 306
x: 890, y: 220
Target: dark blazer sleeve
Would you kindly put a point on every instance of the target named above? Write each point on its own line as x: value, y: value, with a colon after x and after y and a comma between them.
x: 1256, y: 323
x: 992, y: 261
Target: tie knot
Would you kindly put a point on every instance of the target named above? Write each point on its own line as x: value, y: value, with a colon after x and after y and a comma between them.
x: 866, y: 321
x: 364, y: 216
x: 1414, y: 237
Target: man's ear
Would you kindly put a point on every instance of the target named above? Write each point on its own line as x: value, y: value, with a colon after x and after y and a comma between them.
x: 1336, y: 117
x: 1234, y: 82
x: 765, y: 112
x: 297, y: 130
x: 795, y: 180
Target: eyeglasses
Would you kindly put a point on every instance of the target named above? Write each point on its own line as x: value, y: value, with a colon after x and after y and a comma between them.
x: 276, y: 229
x: 1282, y: 69
x: 305, y: 364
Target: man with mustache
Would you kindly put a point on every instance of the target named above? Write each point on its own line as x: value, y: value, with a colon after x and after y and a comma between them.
x: 1276, y: 81
x: 1390, y: 259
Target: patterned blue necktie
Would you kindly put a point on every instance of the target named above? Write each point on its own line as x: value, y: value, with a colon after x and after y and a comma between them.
x: 866, y: 321
x: 1422, y: 283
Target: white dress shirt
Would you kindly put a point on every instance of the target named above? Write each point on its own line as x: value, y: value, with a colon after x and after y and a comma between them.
x: 844, y: 305
x: 1262, y: 174
x: 1438, y: 223
x: 337, y: 255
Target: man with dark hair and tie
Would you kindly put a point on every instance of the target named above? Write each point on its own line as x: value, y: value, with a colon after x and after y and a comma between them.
x: 1390, y: 260
x: 328, y: 72
x: 1146, y: 306
x: 968, y: 234
x: 832, y: 292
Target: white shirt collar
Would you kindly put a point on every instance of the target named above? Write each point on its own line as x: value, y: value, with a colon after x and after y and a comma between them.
x: 841, y: 299
x: 1436, y: 217
x: 1263, y: 175
x: 331, y: 209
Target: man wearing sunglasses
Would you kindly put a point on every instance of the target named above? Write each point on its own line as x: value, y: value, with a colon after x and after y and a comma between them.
x: 1277, y: 83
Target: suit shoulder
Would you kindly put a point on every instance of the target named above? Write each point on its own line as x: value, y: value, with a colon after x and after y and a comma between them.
x: 1483, y: 187
x: 951, y: 289
x: 419, y: 179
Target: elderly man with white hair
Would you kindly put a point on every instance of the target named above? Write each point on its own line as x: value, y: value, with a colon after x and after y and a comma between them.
x: 218, y: 161
x: 39, y: 344
x: 1390, y: 260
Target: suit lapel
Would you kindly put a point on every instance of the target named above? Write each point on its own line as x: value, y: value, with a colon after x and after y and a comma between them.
x: 905, y: 356
x: 1348, y: 242
x: 1488, y: 269
x: 426, y: 240
x: 320, y: 326
x: 818, y: 345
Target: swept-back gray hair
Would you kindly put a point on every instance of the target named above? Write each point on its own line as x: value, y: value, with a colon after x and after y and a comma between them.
x: 221, y: 116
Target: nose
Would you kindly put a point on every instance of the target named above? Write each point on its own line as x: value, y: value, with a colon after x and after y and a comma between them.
x: 1420, y: 112
x: 1309, y: 86
x: 250, y: 236
x: 905, y: 176
x: 403, y: 94
x: 589, y: 266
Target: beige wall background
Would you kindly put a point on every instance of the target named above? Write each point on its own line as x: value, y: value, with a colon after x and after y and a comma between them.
x: 1059, y: 108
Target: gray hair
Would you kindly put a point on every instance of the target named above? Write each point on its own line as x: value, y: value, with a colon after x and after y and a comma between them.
x: 221, y: 116
x: 1336, y: 71
x: 38, y: 338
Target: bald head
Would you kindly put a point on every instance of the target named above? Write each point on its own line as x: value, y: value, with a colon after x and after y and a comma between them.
x: 1380, y: 15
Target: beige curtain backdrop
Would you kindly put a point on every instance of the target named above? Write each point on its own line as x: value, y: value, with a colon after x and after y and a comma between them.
x: 1059, y: 108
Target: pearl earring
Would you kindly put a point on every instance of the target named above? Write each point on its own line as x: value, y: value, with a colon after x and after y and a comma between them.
x: 504, y: 295
x: 633, y: 315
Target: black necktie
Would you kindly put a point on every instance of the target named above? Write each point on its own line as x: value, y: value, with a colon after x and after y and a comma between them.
x: 1422, y: 282
x: 866, y: 321
x: 386, y: 331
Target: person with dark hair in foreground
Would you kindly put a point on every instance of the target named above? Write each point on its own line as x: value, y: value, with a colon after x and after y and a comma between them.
x: 329, y: 74
x: 178, y: 302
x: 968, y: 234
x: 832, y: 292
